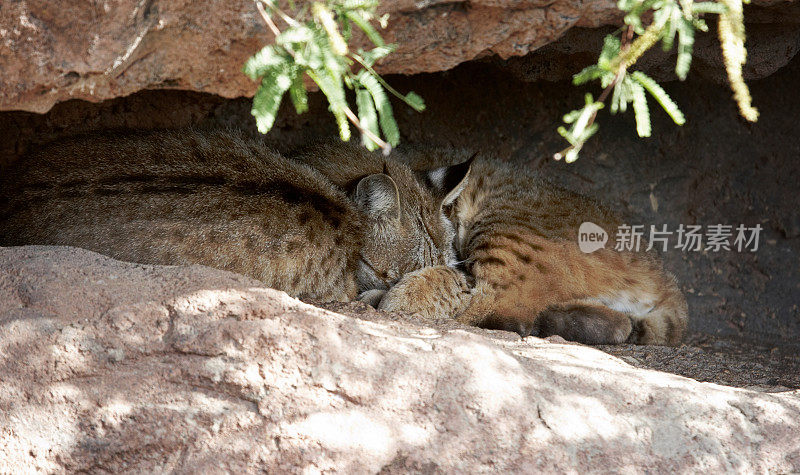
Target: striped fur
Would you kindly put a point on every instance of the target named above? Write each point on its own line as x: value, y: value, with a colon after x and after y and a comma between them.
x: 518, y: 237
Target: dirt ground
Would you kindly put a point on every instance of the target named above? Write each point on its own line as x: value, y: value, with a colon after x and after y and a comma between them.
x: 718, y: 169
x: 722, y: 360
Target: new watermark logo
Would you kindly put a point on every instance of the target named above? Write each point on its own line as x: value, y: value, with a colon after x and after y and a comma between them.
x: 713, y: 238
x: 591, y: 237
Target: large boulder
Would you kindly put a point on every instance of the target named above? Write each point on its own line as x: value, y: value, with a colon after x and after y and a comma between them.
x: 54, y: 51
x: 122, y: 367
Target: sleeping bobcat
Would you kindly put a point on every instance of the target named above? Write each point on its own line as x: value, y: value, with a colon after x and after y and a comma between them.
x: 222, y: 199
x: 518, y: 237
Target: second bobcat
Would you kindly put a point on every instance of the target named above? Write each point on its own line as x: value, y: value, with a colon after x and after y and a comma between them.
x: 518, y: 237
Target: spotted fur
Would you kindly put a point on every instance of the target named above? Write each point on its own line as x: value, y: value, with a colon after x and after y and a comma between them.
x: 222, y: 199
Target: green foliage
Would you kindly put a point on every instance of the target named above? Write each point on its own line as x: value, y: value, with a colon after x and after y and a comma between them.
x: 660, y: 96
x: 674, y: 24
x: 314, y: 44
x: 381, y: 101
x: 582, y: 127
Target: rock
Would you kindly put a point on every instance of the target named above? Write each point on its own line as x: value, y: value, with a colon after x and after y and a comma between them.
x: 123, y: 367
x: 770, y: 46
x: 54, y: 51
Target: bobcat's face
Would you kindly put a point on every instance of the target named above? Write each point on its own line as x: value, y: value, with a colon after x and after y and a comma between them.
x: 406, y: 228
x: 397, y: 246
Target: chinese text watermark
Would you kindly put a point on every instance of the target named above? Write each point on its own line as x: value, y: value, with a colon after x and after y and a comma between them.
x: 712, y: 238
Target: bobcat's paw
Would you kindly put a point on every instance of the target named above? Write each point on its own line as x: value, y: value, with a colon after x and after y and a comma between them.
x: 372, y: 297
x: 432, y: 292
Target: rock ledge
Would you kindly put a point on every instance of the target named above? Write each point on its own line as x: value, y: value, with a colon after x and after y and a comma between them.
x: 115, y: 366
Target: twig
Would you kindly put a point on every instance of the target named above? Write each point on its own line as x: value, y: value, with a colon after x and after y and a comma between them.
x: 272, y: 26
x: 385, y: 147
x: 289, y: 20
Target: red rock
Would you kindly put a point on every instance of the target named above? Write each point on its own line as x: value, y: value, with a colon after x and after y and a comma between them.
x: 54, y: 51
x: 109, y: 366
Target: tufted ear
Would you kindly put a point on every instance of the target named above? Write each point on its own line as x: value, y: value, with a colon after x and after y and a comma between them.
x: 449, y: 182
x: 377, y: 196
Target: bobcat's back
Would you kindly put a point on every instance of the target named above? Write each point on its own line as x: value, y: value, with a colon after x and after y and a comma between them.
x: 215, y: 198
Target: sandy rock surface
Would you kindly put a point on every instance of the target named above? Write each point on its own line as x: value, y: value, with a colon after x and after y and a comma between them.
x: 54, y: 51
x: 114, y: 366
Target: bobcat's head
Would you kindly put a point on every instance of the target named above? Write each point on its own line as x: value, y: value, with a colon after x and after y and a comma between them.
x: 406, y: 228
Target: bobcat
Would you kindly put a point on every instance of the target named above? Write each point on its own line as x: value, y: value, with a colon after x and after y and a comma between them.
x: 220, y: 198
x: 518, y: 236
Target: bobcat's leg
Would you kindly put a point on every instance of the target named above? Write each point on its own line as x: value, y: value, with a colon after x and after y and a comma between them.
x: 485, y: 310
x: 372, y: 297
x: 584, y: 321
x: 629, y: 316
x: 432, y: 292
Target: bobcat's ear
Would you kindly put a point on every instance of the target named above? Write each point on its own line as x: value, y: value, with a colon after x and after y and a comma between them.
x: 449, y: 182
x: 377, y: 196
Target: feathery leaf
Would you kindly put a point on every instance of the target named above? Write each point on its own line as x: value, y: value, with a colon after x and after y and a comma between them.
x: 267, y: 99
x: 367, y: 116
x: 660, y: 95
x: 589, y: 73
x: 709, y: 7
x: 611, y: 46
x: 685, y: 47
x: 415, y: 101
x: 358, y: 18
x: 640, y: 109
x: 377, y: 53
x: 384, y: 107
x: 265, y: 60
x: 333, y: 88
x: 324, y: 16
x: 297, y: 92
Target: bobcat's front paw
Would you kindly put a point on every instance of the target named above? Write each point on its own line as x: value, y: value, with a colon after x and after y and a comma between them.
x: 372, y: 297
x: 432, y: 292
